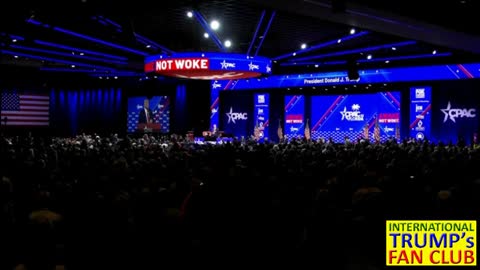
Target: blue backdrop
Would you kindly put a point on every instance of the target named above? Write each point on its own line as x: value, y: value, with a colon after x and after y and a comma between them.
x: 454, y: 114
x: 294, y: 125
x: 235, y: 113
x: 89, y: 110
x: 341, y: 116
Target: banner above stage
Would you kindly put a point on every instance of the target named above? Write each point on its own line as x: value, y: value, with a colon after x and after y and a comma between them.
x: 208, y: 66
x: 384, y: 75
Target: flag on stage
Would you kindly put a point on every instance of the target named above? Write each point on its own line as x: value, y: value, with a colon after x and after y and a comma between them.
x: 280, y: 130
x: 256, y: 132
x: 25, y: 109
x: 366, y: 131
x: 307, y: 131
x: 397, y: 132
x: 376, y: 131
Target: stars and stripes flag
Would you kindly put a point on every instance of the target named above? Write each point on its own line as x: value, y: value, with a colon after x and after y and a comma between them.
x: 307, y: 131
x: 25, y: 109
x: 397, y: 132
x: 280, y: 131
x: 376, y: 131
x: 366, y: 134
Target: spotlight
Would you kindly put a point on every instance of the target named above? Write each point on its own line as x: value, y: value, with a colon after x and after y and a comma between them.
x: 189, y: 14
x: 352, y: 31
x: 304, y: 46
x: 205, y: 35
x: 215, y: 25
x: 228, y: 43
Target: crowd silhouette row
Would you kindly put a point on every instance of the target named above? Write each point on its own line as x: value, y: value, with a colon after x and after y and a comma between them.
x: 73, y: 201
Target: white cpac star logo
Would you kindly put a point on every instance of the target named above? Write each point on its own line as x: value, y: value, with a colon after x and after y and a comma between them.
x: 233, y: 116
x: 252, y: 66
x: 269, y: 69
x: 226, y: 65
x: 214, y: 111
x: 216, y: 85
x: 452, y: 114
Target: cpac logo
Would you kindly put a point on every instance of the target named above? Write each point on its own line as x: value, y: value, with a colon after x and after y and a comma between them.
x: 139, y: 107
x: 216, y: 85
x: 452, y: 114
x: 293, y: 129
x: 353, y: 115
x: 388, y: 129
x: 269, y: 69
x: 226, y: 65
x: 234, y: 116
x: 252, y: 66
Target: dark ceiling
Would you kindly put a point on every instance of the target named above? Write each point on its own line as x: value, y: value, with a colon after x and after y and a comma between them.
x: 167, y: 26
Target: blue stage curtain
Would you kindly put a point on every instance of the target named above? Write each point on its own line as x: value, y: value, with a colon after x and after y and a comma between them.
x: 180, y: 115
x: 75, y: 112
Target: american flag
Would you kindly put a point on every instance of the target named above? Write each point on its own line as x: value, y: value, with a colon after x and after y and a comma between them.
x: 307, y: 131
x: 25, y: 109
x: 376, y: 131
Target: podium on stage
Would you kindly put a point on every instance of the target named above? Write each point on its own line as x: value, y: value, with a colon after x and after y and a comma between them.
x: 149, y: 127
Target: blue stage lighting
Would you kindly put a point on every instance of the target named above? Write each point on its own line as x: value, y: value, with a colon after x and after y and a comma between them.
x: 322, y: 45
x: 367, y: 49
x: 68, y: 55
x: 69, y: 48
x: 32, y: 56
x: 265, y: 33
x: 103, y: 42
x: 254, y: 39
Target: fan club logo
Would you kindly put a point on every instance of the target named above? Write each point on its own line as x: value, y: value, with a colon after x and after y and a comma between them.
x: 431, y: 243
x: 233, y: 117
x: 354, y: 115
x: 453, y: 113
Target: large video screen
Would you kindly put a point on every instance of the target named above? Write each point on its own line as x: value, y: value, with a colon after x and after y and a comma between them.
x: 148, y: 114
x: 376, y: 116
x: 294, y: 114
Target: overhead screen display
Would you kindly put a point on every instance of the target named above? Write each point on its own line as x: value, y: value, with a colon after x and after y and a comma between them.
x: 376, y: 116
x: 148, y: 114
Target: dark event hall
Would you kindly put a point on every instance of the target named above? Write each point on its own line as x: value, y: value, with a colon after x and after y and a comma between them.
x: 330, y: 134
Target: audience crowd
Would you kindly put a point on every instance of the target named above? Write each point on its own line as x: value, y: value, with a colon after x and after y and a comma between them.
x: 110, y: 202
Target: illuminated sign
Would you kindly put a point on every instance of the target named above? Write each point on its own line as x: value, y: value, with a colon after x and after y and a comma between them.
x: 208, y: 66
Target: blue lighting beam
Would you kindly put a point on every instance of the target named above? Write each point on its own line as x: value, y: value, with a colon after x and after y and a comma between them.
x: 56, y: 60
x: 373, y: 60
x: 89, y: 38
x: 367, y: 49
x: 96, y: 40
x: 256, y: 32
x: 207, y: 28
x: 83, y: 57
x: 322, y: 45
x: 79, y: 50
x: 152, y: 43
x: 265, y: 33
